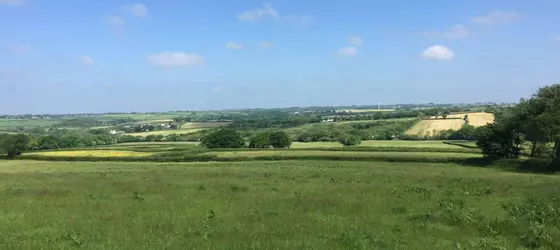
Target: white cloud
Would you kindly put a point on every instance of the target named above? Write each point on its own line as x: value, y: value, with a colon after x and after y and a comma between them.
x: 438, y: 52
x: 347, y: 51
x: 87, y: 60
x: 259, y: 13
x: 13, y: 2
x: 496, y: 17
x: 139, y: 10
x: 234, y: 46
x: 556, y: 38
x: 175, y: 59
x: 117, y: 24
x: 455, y: 31
x: 19, y: 48
x: 266, y: 45
x: 355, y: 40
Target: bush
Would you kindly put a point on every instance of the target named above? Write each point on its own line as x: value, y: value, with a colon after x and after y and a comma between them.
x: 223, y: 138
x: 279, y: 139
x: 261, y: 140
x: 350, y: 140
x: 14, y: 145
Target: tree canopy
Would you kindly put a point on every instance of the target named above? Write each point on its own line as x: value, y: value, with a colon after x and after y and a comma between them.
x: 534, y: 121
x: 223, y: 138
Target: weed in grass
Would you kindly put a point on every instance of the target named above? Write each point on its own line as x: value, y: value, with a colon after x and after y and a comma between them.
x: 74, y: 238
x: 201, y: 187
x: 235, y: 188
x: 138, y: 197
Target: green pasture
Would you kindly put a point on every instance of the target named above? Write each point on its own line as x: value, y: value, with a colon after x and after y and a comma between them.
x: 274, y: 205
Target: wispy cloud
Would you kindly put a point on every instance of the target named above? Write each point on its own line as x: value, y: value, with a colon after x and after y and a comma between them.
x: 234, y: 46
x: 265, y: 11
x: 266, y: 45
x: 355, y: 40
x: 116, y: 24
x: 556, y: 38
x: 454, y: 32
x: 438, y: 52
x: 13, y: 2
x: 139, y: 10
x: 496, y: 17
x: 347, y: 51
x: 86, y: 60
x: 175, y: 59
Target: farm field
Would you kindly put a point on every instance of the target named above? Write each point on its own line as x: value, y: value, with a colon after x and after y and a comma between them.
x: 364, y: 110
x: 429, y: 126
x: 377, y: 143
x: 11, y: 123
x: 92, y: 153
x: 274, y: 205
x: 189, y: 127
x: 167, y: 132
x: 311, y: 153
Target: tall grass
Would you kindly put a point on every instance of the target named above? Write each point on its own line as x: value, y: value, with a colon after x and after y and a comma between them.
x: 274, y: 205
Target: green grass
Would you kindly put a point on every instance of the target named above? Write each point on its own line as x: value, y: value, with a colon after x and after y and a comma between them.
x: 12, y: 123
x: 312, y: 153
x: 274, y: 205
x: 167, y: 132
x: 373, y: 143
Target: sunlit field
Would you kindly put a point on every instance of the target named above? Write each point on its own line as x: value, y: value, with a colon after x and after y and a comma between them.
x: 274, y: 205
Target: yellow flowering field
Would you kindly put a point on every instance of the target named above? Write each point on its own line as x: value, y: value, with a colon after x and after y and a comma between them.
x: 94, y: 153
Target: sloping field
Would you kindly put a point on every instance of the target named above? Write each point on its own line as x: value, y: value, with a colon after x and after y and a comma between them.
x: 476, y: 119
x: 429, y: 126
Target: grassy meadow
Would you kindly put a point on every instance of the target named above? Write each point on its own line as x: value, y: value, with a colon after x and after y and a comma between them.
x: 12, y: 123
x: 274, y: 205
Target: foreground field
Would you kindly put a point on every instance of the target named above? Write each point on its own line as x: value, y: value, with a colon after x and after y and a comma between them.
x: 274, y: 205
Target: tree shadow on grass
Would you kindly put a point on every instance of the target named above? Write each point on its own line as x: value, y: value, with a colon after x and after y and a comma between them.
x: 541, y: 166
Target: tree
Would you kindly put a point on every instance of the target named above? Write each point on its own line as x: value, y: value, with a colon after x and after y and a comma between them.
x: 261, y: 140
x: 350, y: 140
x: 466, y: 119
x: 444, y: 116
x: 15, y: 145
x: 279, y: 139
x: 546, y: 103
x: 223, y: 138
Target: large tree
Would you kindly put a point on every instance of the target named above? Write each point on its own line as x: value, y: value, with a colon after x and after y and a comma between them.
x: 223, y: 138
x: 546, y: 103
x: 535, y: 120
x: 279, y: 139
x: 14, y: 145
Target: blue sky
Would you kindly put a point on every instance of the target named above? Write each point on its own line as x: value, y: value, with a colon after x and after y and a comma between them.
x: 62, y: 56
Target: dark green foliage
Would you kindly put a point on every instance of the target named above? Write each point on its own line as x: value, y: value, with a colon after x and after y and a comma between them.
x: 350, y: 140
x: 72, y: 140
x: 261, y: 140
x: 223, y: 138
x: 496, y: 141
x: 14, y: 144
x: 377, y: 130
x: 279, y: 139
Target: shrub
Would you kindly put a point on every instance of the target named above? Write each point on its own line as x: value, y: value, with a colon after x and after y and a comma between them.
x: 223, y: 138
x: 350, y: 140
x: 279, y: 139
x: 261, y: 140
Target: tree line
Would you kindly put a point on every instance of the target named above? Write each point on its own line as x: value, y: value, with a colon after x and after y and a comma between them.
x: 532, y: 127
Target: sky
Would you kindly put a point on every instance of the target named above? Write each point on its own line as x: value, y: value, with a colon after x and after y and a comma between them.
x: 78, y: 56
